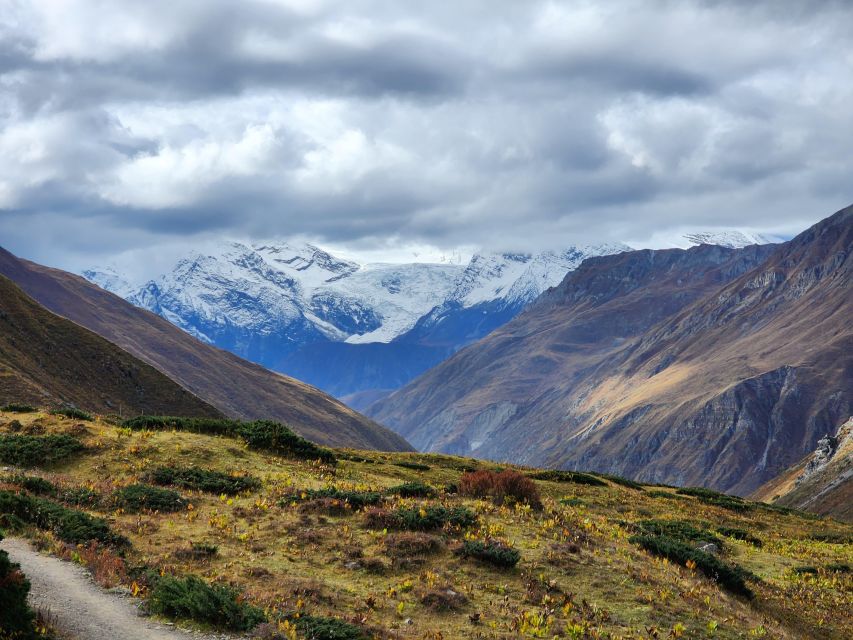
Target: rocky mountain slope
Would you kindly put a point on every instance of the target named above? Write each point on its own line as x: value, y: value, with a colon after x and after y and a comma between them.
x: 234, y: 386
x: 709, y: 366
x: 48, y: 360
x: 822, y: 482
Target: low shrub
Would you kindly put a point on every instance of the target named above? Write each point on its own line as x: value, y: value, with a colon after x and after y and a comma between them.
x: 444, y: 599
x: 715, y: 498
x: 413, y: 490
x: 624, y: 482
x: 14, y: 407
x: 681, y: 530
x: 739, y: 534
x: 32, y: 451
x: 81, y: 497
x: 192, y: 598
x: 323, y: 628
x: 838, y: 567
x: 731, y: 578
x: 197, y: 551
x: 16, y: 617
x: 572, y: 502
x: 553, y: 475
x: 34, y: 484
x: 69, y: 525
x: 197, y: 479
x: 143, y: 497
x: 412, y: 543
x: 264, y: 435
x: 415, y: 466
x: 505, y: 486
x: 74, y: 413
x: 832, y: 538
x: 420, y: 518
x: 805, y: 570
x: 491, y: 552
x: 355, y: 499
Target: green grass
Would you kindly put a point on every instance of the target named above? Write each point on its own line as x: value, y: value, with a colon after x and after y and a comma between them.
x: 553, y: 475
x: 355, y: 499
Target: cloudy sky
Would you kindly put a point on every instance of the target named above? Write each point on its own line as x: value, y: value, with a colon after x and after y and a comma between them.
x: 387, y: 127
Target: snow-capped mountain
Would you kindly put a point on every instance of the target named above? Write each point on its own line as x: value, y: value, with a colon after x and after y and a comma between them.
x: 730, y: 238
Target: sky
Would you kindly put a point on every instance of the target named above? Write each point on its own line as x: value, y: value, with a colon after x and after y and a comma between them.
x: 409, y: 131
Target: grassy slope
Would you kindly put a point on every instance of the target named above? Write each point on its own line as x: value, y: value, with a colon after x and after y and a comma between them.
x: 609, y: 589
x: 47, y: 358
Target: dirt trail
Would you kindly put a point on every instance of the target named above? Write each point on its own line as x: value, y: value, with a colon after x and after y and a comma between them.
x: 80, y: 608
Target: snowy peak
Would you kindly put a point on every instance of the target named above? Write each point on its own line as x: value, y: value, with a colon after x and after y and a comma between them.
x: 729, y: 238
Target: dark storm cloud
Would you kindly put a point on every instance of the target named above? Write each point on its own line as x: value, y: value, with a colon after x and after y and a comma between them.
x: 505, y: 125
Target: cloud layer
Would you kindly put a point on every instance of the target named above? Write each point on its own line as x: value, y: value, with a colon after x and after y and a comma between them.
x: 365, y: 124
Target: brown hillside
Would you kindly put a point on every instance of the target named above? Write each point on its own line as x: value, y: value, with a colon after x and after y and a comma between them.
x: 706, y: 366
x: 46, y: 359
x: 234, y: 386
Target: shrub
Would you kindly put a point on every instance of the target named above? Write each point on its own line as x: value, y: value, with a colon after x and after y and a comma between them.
x: 805, y: 570
x: 420, y: 518
x: 69, y: 525
x: 16, y: 617
x: 413, y: 490
x: 444, y: 599
x: 412, y: 543
x: 34, y: 484
x: 202, y: 480
x: 491, y: 552
x: 415, y: 466
x: 81, y: 497
x: 31, y: 451
x: 74, y: 413
x: 197, y: 551
x: 732, y: 578
x: 553, y: 475
x: 680, y: 530
x: 322, y: 628
x: 625, y: 482
x: 715, y: 498
x: 838, y: 567
x: 143, y: 497
x: 192, y: 598
x: 832, y: 538
x: 355, y: 499
x: 14, y: 407
x: 505, y: 486
x: 739, y: 534
x: 264, y: 435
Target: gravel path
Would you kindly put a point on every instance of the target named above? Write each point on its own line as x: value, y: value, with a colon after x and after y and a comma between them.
x: 83, y: 610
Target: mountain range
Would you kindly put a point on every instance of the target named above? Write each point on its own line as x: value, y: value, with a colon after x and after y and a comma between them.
x: 710, y: 365
x: 231, y: 385
x: 295, y: 308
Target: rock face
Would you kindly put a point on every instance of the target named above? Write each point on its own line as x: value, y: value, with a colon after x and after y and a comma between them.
x: 706, y: 366
x: 822, y: 482
x: 232, y: 385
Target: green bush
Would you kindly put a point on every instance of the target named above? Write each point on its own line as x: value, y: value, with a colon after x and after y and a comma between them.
x: 415, y: 466
x: 681, y: 530
x: 69, y: 525
x: 554, y: 475
x: 832, y: 538
x: 205, y: 480
x: 355, y: 499
x: 805, y: 570
x: 74, y: 413
x: 143, y: 497
x: 81, y: 497
x: 322, y: 628
x: 31, y: 451
x: 625, y: 482
x: 715, y: 498
x: 16, y: 617
x: 14, y: 407
x: 413, y: 490
x: 739, y: 534
x: 264, y: 435
x: 432, y: 517
x: 34, y: 484
x: 838, y: 567
x: 192, y: 598
x: 732, y: 578
x: 491, y: 552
